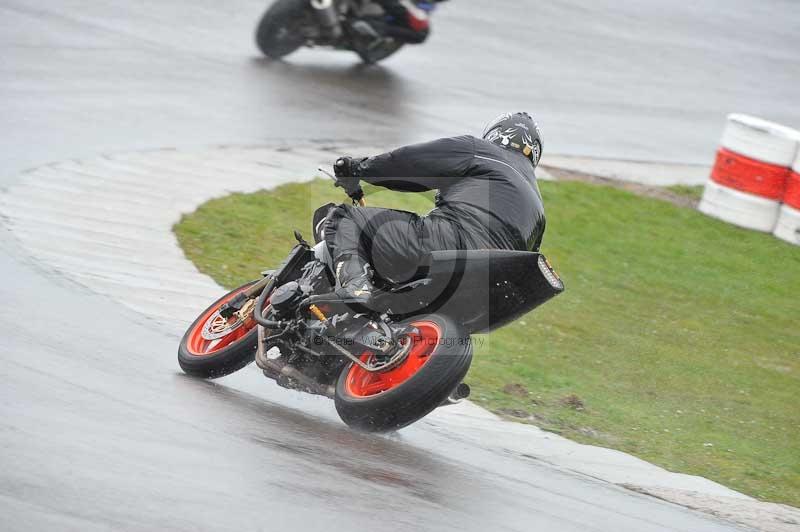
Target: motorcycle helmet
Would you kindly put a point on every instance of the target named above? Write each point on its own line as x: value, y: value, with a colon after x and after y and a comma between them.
x: 518, y: 132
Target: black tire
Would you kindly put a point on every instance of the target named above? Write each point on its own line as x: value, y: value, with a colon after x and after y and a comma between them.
x: 276, y: 34
x: 223, y: 362
x: 380, y: 53
x: 420, y: 394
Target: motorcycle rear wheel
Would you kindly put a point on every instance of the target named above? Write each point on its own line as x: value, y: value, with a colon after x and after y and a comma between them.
x: 277, y: 33
x: 213, y: 347
x: 437, y: 362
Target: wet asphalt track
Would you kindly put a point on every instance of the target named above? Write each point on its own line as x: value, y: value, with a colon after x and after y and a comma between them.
x: 97, y: 428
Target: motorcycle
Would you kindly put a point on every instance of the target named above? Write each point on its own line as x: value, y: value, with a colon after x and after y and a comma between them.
x: 361, y: 26
x: 386, y: 365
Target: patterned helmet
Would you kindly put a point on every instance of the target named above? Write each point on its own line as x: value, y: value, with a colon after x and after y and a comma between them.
x: 516, y: 131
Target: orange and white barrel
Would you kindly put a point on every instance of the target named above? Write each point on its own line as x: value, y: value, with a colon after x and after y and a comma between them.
x: 788, y: 225
x: 748, y: 180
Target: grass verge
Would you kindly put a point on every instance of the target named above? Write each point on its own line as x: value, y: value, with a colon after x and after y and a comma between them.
x: 677, y: 339
x: 694, y: 192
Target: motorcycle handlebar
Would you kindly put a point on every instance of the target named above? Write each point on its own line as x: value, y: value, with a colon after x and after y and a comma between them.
x: 361, y: 203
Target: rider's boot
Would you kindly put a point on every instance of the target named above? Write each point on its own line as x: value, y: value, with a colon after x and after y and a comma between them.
x: 354, y: 279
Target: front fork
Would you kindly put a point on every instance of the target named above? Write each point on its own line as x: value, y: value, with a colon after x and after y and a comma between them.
x: 328, y: 17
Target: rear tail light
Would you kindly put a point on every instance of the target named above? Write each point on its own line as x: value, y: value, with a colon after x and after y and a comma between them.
x: 550, y: 274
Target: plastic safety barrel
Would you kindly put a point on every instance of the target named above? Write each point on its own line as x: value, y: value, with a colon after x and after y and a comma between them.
x: 750, y: 173
x: 788, y: 225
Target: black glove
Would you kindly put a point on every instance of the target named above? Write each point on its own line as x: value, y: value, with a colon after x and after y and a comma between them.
x: 357, y: 195
x: 343, y: 169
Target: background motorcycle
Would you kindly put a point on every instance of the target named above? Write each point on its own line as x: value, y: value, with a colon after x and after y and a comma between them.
x: 385, y: 366
x: 357, y: 25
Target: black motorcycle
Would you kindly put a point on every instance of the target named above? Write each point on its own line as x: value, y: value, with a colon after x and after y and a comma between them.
x: 385, y: 366
x: 358, y: 25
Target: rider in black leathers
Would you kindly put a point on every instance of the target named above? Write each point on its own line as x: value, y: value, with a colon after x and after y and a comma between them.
x: 487, y: 198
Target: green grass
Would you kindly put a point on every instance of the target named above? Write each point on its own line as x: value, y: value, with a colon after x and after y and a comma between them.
x: 677, y: 339
x: 690, y: 191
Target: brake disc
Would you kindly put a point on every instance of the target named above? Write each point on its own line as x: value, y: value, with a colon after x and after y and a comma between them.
x: 217, y: 326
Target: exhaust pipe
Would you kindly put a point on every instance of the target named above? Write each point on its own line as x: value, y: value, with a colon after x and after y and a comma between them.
x: 275, y: 369
x: 456, y: 396
x: 328, y: 17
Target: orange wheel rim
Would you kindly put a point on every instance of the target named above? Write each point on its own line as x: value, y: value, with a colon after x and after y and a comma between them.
x: 363, y: 383
x: 212, y: 333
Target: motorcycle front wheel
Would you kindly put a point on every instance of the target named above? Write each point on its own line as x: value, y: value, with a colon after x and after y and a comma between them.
x: 214, y: 346
x: 437, y: 361
x: 277, y: 34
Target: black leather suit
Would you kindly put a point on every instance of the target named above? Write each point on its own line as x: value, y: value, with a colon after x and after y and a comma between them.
x: 487, y: 198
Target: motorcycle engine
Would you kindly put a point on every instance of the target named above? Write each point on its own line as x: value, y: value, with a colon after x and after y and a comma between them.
x: 286, y: 297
